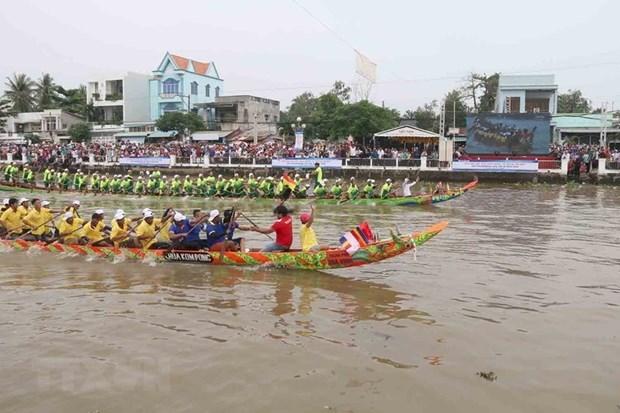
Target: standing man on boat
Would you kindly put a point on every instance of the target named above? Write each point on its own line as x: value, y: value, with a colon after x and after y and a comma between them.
x: 318, y: 175
x: 407, y: 185
x: 283, y: 228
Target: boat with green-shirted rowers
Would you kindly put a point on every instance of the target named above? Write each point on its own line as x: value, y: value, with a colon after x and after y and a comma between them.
x: 238, y: 188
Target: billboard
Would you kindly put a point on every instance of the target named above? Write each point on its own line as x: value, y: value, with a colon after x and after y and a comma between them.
x: 145, y: 161
x: 514, y: 166
x: 508, y: 133
x: 306, y: 163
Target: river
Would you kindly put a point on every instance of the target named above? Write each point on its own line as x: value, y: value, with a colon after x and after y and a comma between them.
x: 524, y: 283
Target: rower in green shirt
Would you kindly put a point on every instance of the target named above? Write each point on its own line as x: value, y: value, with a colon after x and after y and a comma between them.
x: 27, y: 175
x: 352, y: 191
x: 369, y: 188
x: 162, y: 185
x: 252, y: 186
x: 386, y: 189
x: 320, y: 191
x: 220, y: 186
x: 175, y: 186
x: 187, y: 185
x: 48, y: 177
x: 139, y: 187
x: 336, y: 189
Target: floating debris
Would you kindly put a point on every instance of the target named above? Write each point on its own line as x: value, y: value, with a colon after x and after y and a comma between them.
x: 487, y: 375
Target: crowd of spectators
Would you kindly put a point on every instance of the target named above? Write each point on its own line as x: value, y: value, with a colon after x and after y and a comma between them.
x: 65, y: 155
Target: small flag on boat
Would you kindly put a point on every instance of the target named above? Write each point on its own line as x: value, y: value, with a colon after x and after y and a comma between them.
x: 288, y: 181
x: 357, y: 238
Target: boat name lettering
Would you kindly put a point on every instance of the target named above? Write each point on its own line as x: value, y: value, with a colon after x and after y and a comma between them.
x: 188, y: 256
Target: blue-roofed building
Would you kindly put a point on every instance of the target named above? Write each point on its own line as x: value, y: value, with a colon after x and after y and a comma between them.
x: 585, y: 127
x: 182, y: 84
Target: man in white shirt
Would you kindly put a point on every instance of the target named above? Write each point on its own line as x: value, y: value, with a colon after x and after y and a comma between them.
x: 407, y: 185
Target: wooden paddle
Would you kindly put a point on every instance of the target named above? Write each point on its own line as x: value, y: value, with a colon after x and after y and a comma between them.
x: 53, y: 241
x: 254, y: 224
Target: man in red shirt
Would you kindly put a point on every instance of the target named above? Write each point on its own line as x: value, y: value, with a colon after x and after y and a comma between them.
x: 283, y: 227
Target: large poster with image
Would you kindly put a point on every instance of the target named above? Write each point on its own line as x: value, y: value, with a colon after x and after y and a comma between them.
x: 508, y: 133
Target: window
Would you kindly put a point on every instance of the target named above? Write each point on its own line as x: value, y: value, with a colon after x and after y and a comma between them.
x: 266, y: 118
x: 50, y: 124
x: 217, y: 91
x: 170, y: 87
x: 194, y: 88
x: 170, y: 107
x: 208, y: 90
x: 513, y: 104
x: 246, y: 116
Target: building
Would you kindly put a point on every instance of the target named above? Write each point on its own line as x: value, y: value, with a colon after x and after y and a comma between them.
x: 243, y: 112
x: 526, y: 94
x: 182, y: 84
x: 586, y: 128
x: 51, y: 124
x: 120, y: 100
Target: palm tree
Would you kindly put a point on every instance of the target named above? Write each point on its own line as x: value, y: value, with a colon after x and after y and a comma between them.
x: 46, y: 92
x: 20, y: 92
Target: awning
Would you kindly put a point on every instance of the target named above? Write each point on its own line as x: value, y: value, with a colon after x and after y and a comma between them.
x: 409, y: 134
x: 126, y: 135
x: 206, y: 136
x: 162, y: 134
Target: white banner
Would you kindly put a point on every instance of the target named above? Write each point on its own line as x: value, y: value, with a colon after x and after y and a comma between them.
x: 518, y: 166
x: 299, y: 139
x: 305, y: 163
x: 146, y: 161
x: 365, y: 67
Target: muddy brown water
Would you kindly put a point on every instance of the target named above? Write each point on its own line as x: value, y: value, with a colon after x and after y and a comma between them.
x: 524, y: 283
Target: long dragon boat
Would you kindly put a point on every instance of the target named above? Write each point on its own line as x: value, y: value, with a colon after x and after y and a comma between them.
x: 415, y: 200
x: 325, y: 259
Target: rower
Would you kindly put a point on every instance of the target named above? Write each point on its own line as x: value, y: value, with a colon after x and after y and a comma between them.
x: 220, y: 233
x: 45, y: 206
x: 283, y: 227
x: 73, y: 208
x: 320, y: 191
x: 407, y: 185
x: 120, y: 234
x: 5, y: 204
x: 68, y: 229
x: 139, y: 187
x: 220, y: 186
x: 386, y: 189
x: 336, y: 189
x: 439, y: 189
x: 253, y: 185
x: 64, y: 179
x: 35, y: 221
x: 93, y: 233
x: 369, y: 189
x: 307, y: 235
x: 185, y: 234
x: 48, y: 177
x: 146, y: 232
x: 352, y: 191
x: 163, y: 185
x: 23, y: 207
x: 27, y: 175
x: 10, y: 220
x: 187, y: 185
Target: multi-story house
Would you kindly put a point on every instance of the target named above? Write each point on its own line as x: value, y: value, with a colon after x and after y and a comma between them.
x: 182, y: 84
x: 526, y: 94
x: 120, y: 100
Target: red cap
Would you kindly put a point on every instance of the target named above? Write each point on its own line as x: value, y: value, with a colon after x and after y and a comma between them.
x: 305, y: 217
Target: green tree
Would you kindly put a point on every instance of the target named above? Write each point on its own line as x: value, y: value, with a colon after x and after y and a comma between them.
x: 180, y: 121
x: 325, y: 116
x: 46, y: 92
x: 363, y: 119
x: 481, y: 90
x: 456, y: 110
x: 303, y: 107
x: 341, y: 91
x: 426, y: 117
x: 20, y: 92
x: 573, y: 102
x: 74, y: 101
x: 79, y: 132
x: 409, y: 114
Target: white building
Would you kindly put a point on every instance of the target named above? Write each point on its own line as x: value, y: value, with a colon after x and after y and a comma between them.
x: 51, y: 124
x: 121, y: 100
x: 526, y: 94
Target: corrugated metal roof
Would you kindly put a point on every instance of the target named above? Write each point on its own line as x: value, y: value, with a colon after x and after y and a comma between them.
x: 580, y: 120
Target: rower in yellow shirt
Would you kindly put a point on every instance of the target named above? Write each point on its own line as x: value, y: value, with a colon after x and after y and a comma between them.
x: 146, y: 232
x: 74, y: 208
x: 306, y: 232
x: 120, y: 234
x: 93, y: 232
x: 68, y: 229
x: 11, y: 220
x: 35, y: 221
x: 23, y: 207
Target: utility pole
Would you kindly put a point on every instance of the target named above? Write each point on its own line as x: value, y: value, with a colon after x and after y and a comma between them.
x: 255, y: 129
x: 603, y: 138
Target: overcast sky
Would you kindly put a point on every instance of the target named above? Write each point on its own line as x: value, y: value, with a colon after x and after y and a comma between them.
x: 273, y: 48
